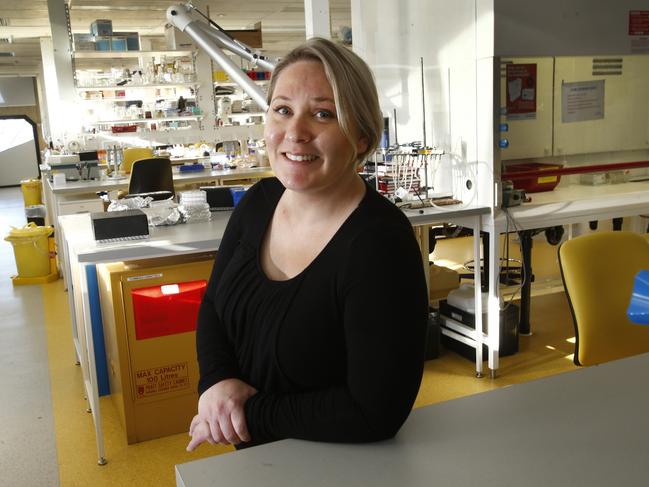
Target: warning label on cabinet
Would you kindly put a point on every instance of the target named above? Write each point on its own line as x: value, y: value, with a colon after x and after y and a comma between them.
x: 639, y: 22
x: 162, y: 379
x: 639, y: 31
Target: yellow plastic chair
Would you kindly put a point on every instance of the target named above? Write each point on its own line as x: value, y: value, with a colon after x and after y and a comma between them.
x: 598, y: 272
x: 132, y: 154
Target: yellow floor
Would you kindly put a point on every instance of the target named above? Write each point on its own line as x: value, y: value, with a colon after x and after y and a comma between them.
x: 148, y: 463
x: 152, y: 462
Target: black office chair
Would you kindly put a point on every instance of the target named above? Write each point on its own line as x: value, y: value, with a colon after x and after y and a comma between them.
x: 152, y: 177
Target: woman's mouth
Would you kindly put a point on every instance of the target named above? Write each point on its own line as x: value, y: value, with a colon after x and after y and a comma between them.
x: 300, y: 157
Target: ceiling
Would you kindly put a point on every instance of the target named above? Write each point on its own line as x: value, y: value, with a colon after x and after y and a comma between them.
x: 24, y: 22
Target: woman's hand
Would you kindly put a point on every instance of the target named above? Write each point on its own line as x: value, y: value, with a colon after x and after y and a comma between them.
x: 221, y: 417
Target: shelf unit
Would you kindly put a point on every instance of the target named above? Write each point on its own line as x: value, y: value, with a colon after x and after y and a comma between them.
x: 236, y: 96
x: 103, y: 103
x: 147, y: 97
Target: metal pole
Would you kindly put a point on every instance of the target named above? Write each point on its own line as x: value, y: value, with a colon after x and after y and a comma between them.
x: 423, y: 118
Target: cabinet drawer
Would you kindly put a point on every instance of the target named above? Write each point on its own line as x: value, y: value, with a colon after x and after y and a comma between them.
x: 80, y: 206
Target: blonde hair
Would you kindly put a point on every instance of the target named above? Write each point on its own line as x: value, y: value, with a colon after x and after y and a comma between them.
x: 352, y: 83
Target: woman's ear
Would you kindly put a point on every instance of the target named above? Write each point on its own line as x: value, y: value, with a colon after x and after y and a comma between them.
x: 361, y: 145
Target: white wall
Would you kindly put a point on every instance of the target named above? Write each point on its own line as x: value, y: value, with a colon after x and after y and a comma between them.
x: 392, y: 36
x: 18, y: 163
x: 17, y: 92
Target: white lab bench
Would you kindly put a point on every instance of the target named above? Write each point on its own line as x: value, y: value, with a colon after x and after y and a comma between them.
x: 83, y: 252
x: 80, y: 196
x: 584, y: 427
x: 577, y: 203
x: 566, y: 205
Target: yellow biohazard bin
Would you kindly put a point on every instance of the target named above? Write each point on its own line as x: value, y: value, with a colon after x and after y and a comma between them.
x: 32, y: 251
x: 31, y: 191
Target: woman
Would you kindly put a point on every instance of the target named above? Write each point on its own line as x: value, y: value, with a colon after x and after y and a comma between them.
x: 312, y: 325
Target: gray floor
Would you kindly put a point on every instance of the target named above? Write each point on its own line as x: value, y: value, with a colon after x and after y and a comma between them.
x: 27, y: 444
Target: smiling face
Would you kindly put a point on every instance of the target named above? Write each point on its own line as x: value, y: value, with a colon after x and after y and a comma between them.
x: 306, y: 147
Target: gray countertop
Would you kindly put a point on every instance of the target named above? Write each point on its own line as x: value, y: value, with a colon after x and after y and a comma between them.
x: 587, y: 427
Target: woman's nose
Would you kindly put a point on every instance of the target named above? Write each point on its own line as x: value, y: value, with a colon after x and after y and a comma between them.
x: 298, y: 130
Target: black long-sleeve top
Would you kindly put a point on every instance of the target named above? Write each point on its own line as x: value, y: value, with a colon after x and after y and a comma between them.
x: 336, y: 352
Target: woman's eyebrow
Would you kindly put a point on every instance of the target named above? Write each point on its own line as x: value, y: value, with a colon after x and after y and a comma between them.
x: 323, y: 98
x: 318, y: 99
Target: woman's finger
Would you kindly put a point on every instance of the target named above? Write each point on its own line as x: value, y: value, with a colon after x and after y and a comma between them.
x: 215, y: 431
x: 201, y: 434
x: 195, y: 420
x: 228, y: 431
x: 239, y: 424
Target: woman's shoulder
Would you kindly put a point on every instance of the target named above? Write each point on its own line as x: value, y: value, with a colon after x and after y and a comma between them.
x: 380, y: 214
x: 378, y: 226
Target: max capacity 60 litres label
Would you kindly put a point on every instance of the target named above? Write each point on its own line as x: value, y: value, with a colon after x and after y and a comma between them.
x: 162, y: 379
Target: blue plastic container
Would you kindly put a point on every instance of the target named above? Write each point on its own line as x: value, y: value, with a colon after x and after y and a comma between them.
x: 102, y: 43
x: 132, y: 40
x: 638, y: 310
x: 118, y: 43
x: 237, y: 194
x: 102, y: 27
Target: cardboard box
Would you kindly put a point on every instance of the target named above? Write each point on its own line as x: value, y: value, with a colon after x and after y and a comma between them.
x: 148, y: 312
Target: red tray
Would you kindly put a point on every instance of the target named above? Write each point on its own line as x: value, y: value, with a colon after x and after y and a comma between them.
x: 534, y: 184
x: 119, y: 129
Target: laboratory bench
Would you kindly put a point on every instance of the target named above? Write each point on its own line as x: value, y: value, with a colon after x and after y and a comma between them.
x: 568, y: 204
x: 84, y: 253
x: 180, y: 178
x: 81, y: 196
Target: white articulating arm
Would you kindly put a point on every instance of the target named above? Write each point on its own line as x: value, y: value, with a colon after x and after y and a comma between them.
x: 212, y: 39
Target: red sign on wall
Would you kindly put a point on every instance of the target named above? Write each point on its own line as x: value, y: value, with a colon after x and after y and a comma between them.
x: 521, y: 91
x: 639, y: 22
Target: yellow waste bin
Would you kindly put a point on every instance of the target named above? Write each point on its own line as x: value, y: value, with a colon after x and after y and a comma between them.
x: 31, y: 191
x: 31, y: 249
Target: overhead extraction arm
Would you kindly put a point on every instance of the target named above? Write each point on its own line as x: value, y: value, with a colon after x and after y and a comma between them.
x: 213, y: 40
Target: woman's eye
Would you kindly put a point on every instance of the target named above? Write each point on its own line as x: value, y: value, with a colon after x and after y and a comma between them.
x: 323, y: 114
x: 281, y: 110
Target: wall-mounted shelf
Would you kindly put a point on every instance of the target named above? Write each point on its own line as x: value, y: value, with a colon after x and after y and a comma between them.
x: 229, y: 83
x: 128, y: 54
x: 247, y: 114
x: 131, y: 86
x: 133, y: 98
x: 149, y: 120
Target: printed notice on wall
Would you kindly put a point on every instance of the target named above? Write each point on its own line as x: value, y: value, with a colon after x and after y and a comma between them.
x: 639, y: 31
x: 162, y: 379
x: 521, y: 91
x: 582, y: 101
